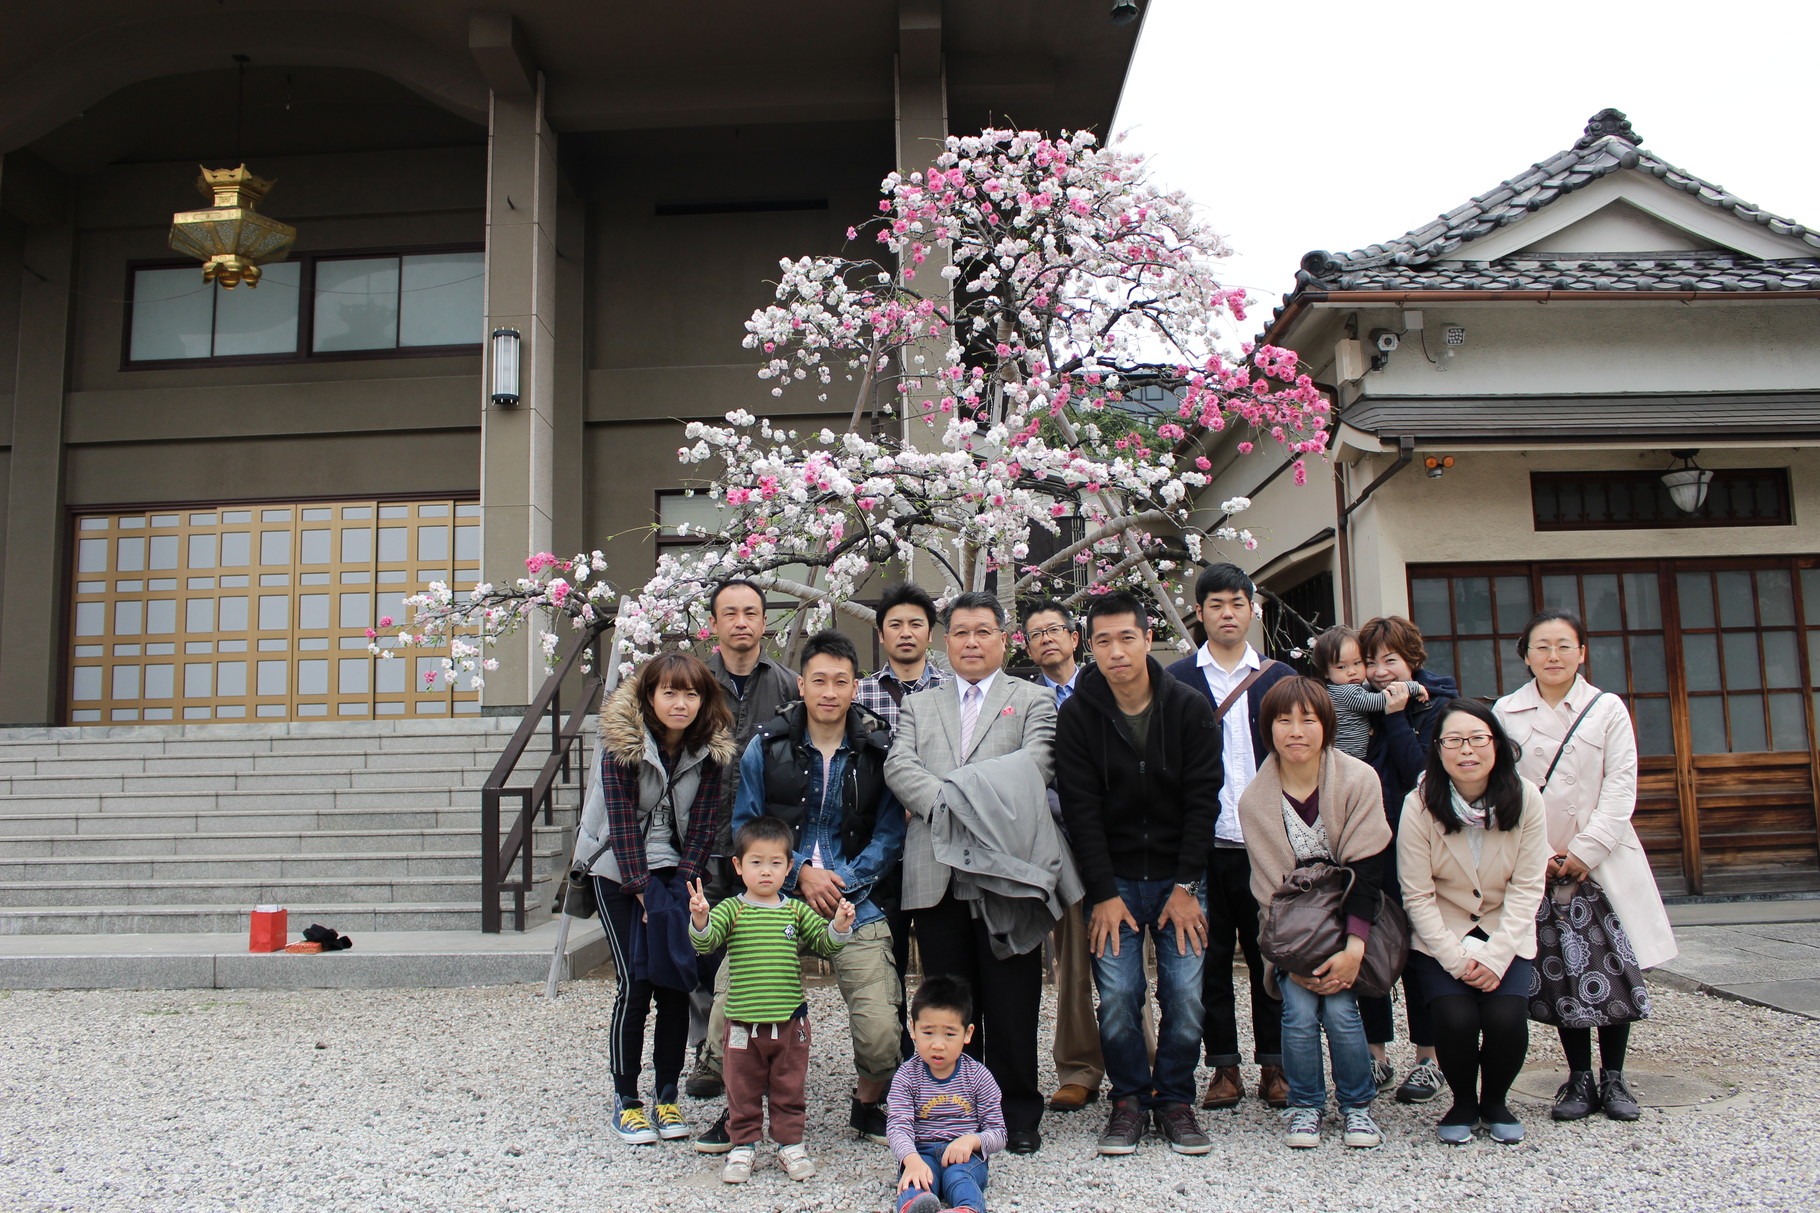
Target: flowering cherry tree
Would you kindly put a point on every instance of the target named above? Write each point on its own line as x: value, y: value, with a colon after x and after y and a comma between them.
x: 1000, y: 358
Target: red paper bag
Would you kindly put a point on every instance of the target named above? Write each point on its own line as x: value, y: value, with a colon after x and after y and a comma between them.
x: 270, y: 929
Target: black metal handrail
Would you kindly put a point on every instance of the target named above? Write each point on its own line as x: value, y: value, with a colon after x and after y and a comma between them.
x: 497, y: 858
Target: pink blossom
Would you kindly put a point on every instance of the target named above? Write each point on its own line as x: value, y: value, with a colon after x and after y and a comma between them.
x: 385, y: 621
x: 1202, y: 462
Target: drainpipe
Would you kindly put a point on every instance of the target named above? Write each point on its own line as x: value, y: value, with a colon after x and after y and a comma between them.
x: 1406, y: 451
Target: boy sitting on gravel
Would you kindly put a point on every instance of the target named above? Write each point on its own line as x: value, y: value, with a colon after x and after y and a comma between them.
x: 943, y: 1114
x: 767, y: 1041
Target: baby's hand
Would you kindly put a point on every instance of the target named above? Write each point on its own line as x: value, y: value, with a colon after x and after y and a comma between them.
x: 1420, y: 692
x: 916, y: 1174
x: 698, y: 904
x: 843, y: 916
x: 960, y: 1149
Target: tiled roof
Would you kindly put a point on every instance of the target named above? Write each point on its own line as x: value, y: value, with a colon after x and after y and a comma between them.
x: 1618, y: 417
x: 1592, y: 272
x: 1426, y: 258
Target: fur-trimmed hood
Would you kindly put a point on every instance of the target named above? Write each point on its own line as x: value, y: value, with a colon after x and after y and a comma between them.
x: 623, y: 733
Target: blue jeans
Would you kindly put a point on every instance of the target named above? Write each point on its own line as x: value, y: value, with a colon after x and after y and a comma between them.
x: 962, y: 1185
x: 1305, y: 1015
x: 1122, y: 985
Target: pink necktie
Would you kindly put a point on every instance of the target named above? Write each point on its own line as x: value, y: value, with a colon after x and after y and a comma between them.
x: 970, y: 714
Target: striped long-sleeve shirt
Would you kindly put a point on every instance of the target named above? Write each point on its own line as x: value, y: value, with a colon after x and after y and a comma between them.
x: 764, y: 943
x: 923, y: 1110
x: 1353, y: 706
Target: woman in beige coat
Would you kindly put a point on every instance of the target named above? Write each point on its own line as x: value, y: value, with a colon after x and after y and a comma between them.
x: 1472, y: 853
x: 1590, y: 798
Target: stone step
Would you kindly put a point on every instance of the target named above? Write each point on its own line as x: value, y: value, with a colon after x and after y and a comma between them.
x: 229, y: 740
x: 350, y: 918
x: 262, y: 868
x: 246, y: 892
x: 302, y: 817
x: 180, y: 799
x: 30, y: 787
x: 351, y: 842
x: 81, y: 765
x: 391, y: 955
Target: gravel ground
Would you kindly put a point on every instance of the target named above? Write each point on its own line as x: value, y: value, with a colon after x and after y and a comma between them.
x: 426, y: 1100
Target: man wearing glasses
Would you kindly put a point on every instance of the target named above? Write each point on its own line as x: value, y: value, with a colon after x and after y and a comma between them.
x: 1051, y: 638
x: 983, y: 714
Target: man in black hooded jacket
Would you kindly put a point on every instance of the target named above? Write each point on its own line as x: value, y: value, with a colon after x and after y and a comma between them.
x: 1138, y: 770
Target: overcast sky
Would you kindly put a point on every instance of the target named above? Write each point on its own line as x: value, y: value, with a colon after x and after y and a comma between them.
x: 1312, y: 125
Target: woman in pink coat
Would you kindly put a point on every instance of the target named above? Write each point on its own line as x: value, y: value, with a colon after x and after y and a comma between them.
x: 1589, y: 798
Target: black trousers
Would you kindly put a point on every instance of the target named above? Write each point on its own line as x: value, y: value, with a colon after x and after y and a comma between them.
x: 1007, y: 1001
x: 1232, y: 926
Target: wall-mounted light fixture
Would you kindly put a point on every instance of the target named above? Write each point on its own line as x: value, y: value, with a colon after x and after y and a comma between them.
x: 505, y: 367
x: 1124, y: 12
x: 1688, y: 483
x: 1437, y: 465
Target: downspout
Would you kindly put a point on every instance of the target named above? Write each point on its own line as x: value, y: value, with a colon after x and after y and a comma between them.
x: 1406, y: 451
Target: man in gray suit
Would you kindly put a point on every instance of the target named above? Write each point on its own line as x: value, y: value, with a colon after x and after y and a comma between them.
x: 981, y: 713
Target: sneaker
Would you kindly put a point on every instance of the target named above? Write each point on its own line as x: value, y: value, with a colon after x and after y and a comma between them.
x: 1454, y: 1135
x: 632, y: 1123
x: 1361, y: 1130
x: 716, y: 1140
x: 738, y: 1167
x: 704, y: 1080
x: 868, y: 1120
x: 1615, y: 1095
x: 1304, y: 1131
x: 1506, y: 1129
x: 1176, y: 1122
x: 1124, y: 1128
x: 670, y: 1122
x: 1423, y: 1083
x: 796, y: 1162
x: 918, y: 1201
x: 1577, y: 1098
x: 1382, y: 1073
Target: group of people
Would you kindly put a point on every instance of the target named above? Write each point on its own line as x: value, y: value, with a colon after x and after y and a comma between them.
x: 745, y: 813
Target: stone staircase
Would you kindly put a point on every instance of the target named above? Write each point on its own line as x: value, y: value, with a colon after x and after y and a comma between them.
x: 364, y: 827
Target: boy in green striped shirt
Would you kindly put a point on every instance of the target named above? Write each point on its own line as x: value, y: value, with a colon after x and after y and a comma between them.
x: 767, y: 1041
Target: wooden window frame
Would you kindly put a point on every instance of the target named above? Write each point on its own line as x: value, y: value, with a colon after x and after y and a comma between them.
x: 306, y: 315
x: 1670, y: 517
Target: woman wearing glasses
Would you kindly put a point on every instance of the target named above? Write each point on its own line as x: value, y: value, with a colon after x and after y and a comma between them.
x: 1472, y: 853
x: 1589, y: 797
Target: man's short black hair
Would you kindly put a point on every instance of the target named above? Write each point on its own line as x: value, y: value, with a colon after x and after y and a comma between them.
x: 762, y: 829
x: 975, y: 600
x: 1115, y: 602
x: 829, y: 643
x: 1223, y: 579
x: 728, y: 584
x: 943, y: 993
x: 905, y: 594
x: 1042, y: 605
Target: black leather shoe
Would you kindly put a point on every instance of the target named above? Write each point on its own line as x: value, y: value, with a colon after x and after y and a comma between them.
x: 1023, y: 1141
x: 1578, y: 1097
x: 1615, y: 1096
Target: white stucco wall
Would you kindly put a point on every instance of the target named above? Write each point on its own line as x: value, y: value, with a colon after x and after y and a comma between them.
x: 1480, y: 511
x: 1569, y: 347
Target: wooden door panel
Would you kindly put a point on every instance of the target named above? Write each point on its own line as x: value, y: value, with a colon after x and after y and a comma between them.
x: 1757, y: 812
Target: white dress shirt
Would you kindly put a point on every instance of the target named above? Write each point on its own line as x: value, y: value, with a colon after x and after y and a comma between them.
x: 984, y: 684
x: 1237, y: 754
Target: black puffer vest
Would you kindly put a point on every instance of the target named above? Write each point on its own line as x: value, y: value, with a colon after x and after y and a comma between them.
x: 863, y: 783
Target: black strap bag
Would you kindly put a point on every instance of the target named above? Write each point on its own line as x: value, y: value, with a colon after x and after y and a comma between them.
x: 1586, y: 974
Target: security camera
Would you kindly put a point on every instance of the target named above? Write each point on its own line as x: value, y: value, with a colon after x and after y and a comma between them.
x: 1124, y: 12
x: 1385, y: 340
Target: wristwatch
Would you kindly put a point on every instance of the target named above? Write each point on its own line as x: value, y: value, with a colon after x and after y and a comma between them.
x: 1190, y: 887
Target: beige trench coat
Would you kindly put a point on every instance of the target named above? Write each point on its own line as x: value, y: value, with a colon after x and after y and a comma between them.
x: 1590, y: 800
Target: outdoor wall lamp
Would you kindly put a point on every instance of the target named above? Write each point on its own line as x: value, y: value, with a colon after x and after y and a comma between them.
x: 1688, y: 483
x: 1437, y: 465
x: 505, y: 367
x: 1124, y: 12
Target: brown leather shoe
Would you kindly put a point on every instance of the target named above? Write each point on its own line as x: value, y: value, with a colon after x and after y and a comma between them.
x: 1273, y: 1087
x: 1072, y: 1097
x: 1224, y: 1090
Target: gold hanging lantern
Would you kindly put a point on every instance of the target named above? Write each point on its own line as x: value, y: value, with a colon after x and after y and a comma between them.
x: 231, y: 238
